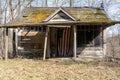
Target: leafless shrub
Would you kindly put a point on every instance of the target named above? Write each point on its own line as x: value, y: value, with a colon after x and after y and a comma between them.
x: 113, y: 43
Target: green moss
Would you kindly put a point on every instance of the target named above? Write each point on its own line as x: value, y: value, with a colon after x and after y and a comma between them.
x: 89, y: 15
x: 102, y: 20
x: 37, y: 15
x: 84, y: 14
x: 98, y: 8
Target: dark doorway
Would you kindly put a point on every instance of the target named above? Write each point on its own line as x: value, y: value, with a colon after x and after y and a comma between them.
x: 60, y: 42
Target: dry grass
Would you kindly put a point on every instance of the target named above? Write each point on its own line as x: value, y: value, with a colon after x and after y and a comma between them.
x: 58, y: 69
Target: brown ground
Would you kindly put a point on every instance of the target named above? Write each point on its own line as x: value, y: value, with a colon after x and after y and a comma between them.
x: 58, y: 69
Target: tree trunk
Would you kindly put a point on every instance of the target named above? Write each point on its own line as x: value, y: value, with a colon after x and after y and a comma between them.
x: 70, y: 3
x: 11, y: 10
x: 0, y: 31
x: 46, y: 3
x: 13, y: 37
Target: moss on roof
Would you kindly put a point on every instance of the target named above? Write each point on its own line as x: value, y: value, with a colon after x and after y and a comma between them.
x: 89, y: 15
x: 81, y: 14
x: 36, y: 15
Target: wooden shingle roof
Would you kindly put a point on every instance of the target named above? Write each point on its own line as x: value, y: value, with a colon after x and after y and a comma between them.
x: 81, y: 14
x: 37, y: 16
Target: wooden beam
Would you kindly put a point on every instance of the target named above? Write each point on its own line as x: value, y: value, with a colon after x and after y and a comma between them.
x: 2, y: 42
x: 45, y: 45
x: 75, y: 43
x: 101, y: 36
x: 48, y: 45
x: 16, y: 41
x: 104, y: 42
x: 6, y: 44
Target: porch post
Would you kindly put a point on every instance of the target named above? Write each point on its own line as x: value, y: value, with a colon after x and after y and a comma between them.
x: 6, y: 44
x: 45, y: 45
x: 104, y: 41
x: 16, y: 41
x: 48, y: 45
x: 2, y: 42
x: 75, y: 43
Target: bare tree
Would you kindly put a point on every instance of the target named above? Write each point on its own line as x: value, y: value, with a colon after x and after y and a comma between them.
x: 118, y: 37
x: 113, y: 42
x: 11, y: 9
x: 0, y: 30
x: 12, y: 18
x: 59, y: 3
x: 46, y: 3
x: 0, y: 12
x: 71, y: 3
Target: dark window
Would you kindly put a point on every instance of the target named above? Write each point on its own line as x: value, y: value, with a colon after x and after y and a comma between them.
x: 43, y: 28
x: 32, y: 28
x: 39, y: 28
x: 26, y: 28
x: 36, y: 29
x: 88, y: 36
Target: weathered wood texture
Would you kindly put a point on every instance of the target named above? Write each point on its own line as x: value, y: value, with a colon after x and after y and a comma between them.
x: 46, y: 41
x: 104, y: 40
x: 48, y: 46
x: 16, y: 42
x: 75, y: 41
x: 6, y: 44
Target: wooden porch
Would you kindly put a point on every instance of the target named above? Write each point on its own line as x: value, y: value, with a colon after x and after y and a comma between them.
x: 75, y: 50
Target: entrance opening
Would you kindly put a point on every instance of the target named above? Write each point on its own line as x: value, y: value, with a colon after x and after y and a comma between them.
x: 60, y: 39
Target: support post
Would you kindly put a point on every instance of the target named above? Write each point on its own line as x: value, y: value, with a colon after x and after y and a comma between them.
x: 16, y: 41
x: 101, y: 37
x: 48, y: 45
x: 104, y: 42
x: 45, y: 43
x: 75, y: 43
x: 2, y: 42
x: 6, y: 44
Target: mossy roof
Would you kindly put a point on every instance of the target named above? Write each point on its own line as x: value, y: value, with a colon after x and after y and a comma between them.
x: 89, y: 15
x: 81, y: 14
x: 37, y: 16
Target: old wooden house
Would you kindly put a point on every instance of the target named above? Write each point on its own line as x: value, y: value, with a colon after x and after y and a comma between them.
x: 63, y: 31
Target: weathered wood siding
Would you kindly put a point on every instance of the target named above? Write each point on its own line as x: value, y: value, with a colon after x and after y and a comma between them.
x: 31, y: 40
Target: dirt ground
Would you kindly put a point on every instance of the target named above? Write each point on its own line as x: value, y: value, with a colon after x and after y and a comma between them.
x: 58, y: 69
